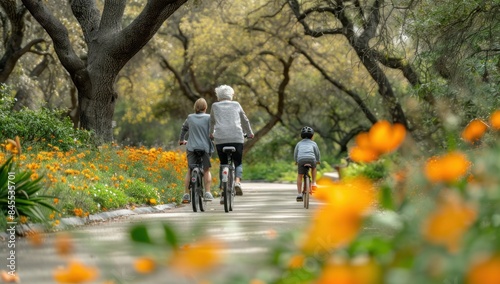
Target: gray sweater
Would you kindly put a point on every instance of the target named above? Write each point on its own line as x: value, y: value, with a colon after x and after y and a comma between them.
x: 306, y: 150
x: 228, y: 122
x: 196, y: 127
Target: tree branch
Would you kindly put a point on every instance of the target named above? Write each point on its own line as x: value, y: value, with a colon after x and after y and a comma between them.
x: 112, y: 16
x: 87, y: 14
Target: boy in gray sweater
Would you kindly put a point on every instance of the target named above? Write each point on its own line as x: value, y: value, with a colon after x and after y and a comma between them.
x: 196, y: 126
x: 306, y: 152
x: 228, y: 125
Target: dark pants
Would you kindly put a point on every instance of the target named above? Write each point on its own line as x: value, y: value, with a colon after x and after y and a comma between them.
x: 237, y: 156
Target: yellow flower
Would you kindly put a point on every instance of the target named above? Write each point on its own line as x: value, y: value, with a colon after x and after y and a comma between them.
x: 495, y: 120
x: 297, y: 261
x: 23, y: 219
x: 75, y: 272
x: 446, y: 225
x: 196, y: 258
x: 382, y: 138
x: 485, y: 271
x: 474, y: 131
x: 342, y: 272
x: 8, y: 277
x: 152, y: 201
x: 337, y: 222
x: 144, y: 265
x: 446, y: 168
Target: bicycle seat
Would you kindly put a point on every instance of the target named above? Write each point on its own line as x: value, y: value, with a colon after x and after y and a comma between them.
x: 228, y: 149
x: 199, y: 152
x: 308, y: 165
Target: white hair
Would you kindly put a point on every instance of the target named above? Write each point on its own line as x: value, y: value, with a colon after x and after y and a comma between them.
x: 224, y: 92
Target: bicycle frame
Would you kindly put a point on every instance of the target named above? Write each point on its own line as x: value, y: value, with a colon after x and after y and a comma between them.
x: 228, y: 179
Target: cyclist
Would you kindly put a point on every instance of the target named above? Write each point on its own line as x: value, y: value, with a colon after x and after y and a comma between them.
x: 196, y: 126
x: 306, y: 152
x: 228, y: 123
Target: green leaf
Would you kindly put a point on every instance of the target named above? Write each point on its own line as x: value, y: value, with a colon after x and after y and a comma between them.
x: 139, y: 234
x: 386, y: 198
x: 170, y: 236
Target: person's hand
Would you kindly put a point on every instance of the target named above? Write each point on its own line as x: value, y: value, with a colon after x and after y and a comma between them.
x: 183, y: 142
x: 250, y: 136
x: 211, y: 136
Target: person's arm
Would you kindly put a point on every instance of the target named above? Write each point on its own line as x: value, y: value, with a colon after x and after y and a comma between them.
x: 245, y: 123
x: 296, y: 153
x: 184, y: 131
x: 212, y: 123
x: 317, y: 154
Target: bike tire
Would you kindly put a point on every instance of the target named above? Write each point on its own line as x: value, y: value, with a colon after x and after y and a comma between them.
x: 306, y: 191
x: 193, y: 186
x: 232, y: 191
x: 225, y: 191
x: 199, y: 189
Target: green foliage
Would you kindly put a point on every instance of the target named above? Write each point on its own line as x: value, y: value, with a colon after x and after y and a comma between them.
x: 141, y: 192
x: 19, y: 194
x: 38, y: 128
x: 374, y: 171
x: 108, y: 197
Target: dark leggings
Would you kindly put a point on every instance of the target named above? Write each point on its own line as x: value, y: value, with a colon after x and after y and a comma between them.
x: 237, y: 156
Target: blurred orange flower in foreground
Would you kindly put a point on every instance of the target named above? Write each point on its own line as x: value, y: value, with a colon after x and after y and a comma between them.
x: 197, y: 257
x: 364, y: 272
x: 76, y: 272
x: 338, y: 221
x: 495, y: 120
x: 9, y: 278
x: 447, y: 168
x: 64, y: 244
x: 451, y: 219
x: 485, y: 271
x: 144, y: 265
x: 382, y: 138
x: 474, y: 130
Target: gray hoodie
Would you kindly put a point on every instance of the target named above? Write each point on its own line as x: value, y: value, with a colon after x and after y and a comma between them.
x: 306, y: 150
x: 197, y: 126
x: 228, y: 122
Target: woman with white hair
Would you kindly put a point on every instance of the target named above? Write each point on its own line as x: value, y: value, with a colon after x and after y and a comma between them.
x: 228, y: 125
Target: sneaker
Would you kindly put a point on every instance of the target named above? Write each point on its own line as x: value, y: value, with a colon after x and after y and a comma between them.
x: 186, y: 198
x: 208, y: 196
x: 299, y: 198
x: 237, y: 187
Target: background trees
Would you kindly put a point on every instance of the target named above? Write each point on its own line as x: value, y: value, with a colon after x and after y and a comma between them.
x: 337, y: 66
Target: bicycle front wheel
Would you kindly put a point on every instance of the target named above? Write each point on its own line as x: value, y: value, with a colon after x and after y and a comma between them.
x: 199, y: 189
x: 306, y: 191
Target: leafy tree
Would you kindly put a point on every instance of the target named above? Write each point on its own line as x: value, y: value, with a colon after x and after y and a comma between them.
x: 108, y: 47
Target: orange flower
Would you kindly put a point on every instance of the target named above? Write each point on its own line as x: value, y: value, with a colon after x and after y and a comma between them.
x: 144, y: 265
x: 76, y: 272
x: 197, y: 257
x: 35, y: 238
x: 485, y: 271
x: 447, y: 168
x: 365, y: 272
x: 337, y: 222
x: 382, y: 138
x: 495, y: 120
x: 152, y: 201
x: 385, y: 137
x: 474, y: 131
x: 451, y: 219
x: 64, y: 244
x: 56, y: 200
x: 9, y: 277
x: 297, y: 261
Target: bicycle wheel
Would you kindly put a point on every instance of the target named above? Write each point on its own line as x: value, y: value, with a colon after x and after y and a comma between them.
x: 226, y: 189
x: 193, y: 186
x: 232, y: 190
x: 199, y: 189
x: 306, y: 191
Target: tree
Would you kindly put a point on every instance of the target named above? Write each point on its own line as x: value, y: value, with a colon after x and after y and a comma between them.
x: 109, y: 46
x: 361, y: 23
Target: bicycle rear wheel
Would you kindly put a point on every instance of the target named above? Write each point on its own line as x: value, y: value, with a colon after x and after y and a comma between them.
x: 225, y: 189
x: 199, y: 189
x: 306, y: 191
x: 193, y: 186
x: 232, y: 191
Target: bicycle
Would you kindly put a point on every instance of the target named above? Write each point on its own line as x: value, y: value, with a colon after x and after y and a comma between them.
x: 196, y: 184
x: 228, y: 179
x: 306, y: 186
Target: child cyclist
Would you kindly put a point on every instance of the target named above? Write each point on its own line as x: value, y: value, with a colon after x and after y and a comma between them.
x: 306, y: 152
x: 196, y: 126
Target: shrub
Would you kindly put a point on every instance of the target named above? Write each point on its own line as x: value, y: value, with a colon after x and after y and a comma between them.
x: 141, y: 192
x: 108, y: 197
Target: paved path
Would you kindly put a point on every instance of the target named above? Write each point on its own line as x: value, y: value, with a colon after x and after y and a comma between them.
x: 265, y: 210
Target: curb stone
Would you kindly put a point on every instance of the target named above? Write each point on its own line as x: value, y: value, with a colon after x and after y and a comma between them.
x: 71, y: 222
